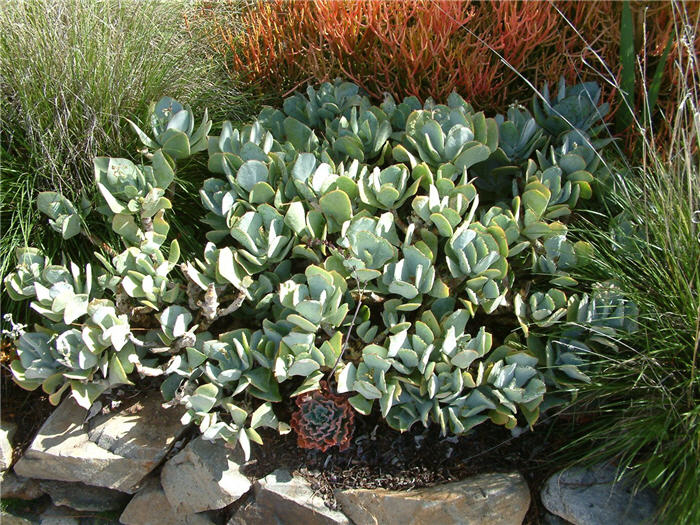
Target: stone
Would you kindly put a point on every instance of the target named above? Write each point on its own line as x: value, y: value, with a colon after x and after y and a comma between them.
x: 83, y: 497
x: 250, y: 514
x: 283, y: 499
x: 205, y: 475
x: 589, y: 496
x: 114, y: 450
x: 488, y: 499
x: 150, y: 507
x: 553, y: 519
x: 7, y: 432
x: 8, y: 518
x: 59, y: 516
x: 17, y: 487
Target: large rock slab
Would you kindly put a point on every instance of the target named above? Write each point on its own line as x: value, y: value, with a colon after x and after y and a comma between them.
x: 115, y: 450
x: 283, y: 499
x: 553, y: 519
x: 488, y: 499
x: 589, y: 496
x: 8, y: 518
x: 42, y: 514
x: 83, y: 497
x: 150, y: 507
x: 17, y: 487
x: 203, y: 476
x: 59, y: 516
x: 7, y: 432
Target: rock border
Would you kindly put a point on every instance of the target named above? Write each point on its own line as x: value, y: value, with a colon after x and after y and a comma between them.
x: 126, y: 460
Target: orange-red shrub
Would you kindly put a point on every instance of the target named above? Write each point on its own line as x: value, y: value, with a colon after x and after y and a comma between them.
x: 430, y: 48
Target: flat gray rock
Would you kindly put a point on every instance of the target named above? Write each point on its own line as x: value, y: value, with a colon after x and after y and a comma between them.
x: 17, y: 487
x: 59, y: 516
x: 553, y: 519
x: 283, y: 499
x: 487, y: 499
x: 589, y: 496
x: 203, y: 476
x: 83, y: 497
x: 150, y: 507
x: 7, y: 432
x: 115, y: 450
x: 8, y: 518
x: 44, y: 514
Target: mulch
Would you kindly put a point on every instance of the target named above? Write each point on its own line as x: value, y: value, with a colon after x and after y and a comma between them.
x: 27, y: 409
x: 378, y: 456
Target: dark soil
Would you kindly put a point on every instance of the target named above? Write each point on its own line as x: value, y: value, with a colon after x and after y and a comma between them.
x: 378, y: 457
x: 27, y: 409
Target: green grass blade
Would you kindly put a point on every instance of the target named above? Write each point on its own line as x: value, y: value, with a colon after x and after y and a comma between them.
x: 655, y: 86
x: 627, y: 58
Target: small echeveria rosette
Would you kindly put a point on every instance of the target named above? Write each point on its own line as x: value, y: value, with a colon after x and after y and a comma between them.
x: 323, y: 420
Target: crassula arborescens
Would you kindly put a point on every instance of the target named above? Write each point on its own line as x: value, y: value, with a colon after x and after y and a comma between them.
x: 415, y: 255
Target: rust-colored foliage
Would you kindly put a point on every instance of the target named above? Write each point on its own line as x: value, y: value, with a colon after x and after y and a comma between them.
x: 432, y: 47
x: 323, y: 420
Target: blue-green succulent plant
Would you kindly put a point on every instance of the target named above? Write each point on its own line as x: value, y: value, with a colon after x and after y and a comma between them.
x: 413, y: 255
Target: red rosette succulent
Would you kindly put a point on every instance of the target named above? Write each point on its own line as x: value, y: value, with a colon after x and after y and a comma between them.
x: 323, y: 420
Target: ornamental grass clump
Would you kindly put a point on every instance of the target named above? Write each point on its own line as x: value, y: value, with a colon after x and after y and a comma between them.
x: 70, y: 72
x: 415, y: 258
x: 645, y: 396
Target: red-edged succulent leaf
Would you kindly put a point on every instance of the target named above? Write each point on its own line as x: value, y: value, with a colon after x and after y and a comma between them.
x: 323, y: 420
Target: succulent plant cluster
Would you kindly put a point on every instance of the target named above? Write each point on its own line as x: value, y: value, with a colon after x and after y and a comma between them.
x: 415, y: 256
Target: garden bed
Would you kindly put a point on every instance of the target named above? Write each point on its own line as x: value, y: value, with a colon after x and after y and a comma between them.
x: 393, y: 294
x: 381, y: 458
x: 378, y: 456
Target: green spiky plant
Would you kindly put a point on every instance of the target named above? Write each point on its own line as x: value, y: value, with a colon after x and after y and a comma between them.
x: 645, y: 398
